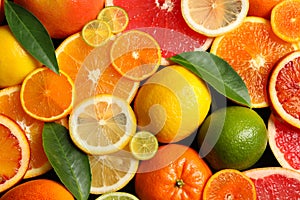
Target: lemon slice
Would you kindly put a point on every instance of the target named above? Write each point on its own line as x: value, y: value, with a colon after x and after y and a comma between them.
x: 96, y: 32
x: 116, y: 17
x: 102, y: 124
x: 143, y: 145
x: 117, y: 195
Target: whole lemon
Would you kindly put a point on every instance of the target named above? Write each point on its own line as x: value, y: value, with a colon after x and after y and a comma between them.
x: 232, y: 137
x: 15, y: 62
x: 172, y: 104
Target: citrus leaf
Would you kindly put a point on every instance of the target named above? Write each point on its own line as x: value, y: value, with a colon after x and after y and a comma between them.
x: 31, y: 34
x: 217, y: 73
x: 69, y: 163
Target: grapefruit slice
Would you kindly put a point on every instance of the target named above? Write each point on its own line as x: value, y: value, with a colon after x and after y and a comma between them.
x: 275, y: 183
x: 284, y: 141
x: 164, y: 21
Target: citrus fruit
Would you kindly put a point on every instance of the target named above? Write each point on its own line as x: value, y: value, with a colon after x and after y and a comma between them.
x: 275, y: 183
x: 143, y: 145
x: 175, y: 172
x: 284, y: 89
x: 163, y: 20
x: 214, y: 18
x: 284, y: 141
x: 117, y: 195
x: 63, y: 18
x: 10, y: 105
x: 112, y: 172
x: 15, y: 61
x: 95, y: 32
x: 136, y: 55
x: 285, y: 20
x: 98, y: 76
x: 116, y: 17
x: 252, y: 50
x: 38, y: 189
x: 229, y: 184
x: 47, y: 96
x: 172, y: 104
x: 232, y: 137
x: 102, y: 124
x: 262, y: 9
x: 71, y: 53
x: 14, y: 153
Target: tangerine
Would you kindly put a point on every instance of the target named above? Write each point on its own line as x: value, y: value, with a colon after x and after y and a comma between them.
x: 261, y: 8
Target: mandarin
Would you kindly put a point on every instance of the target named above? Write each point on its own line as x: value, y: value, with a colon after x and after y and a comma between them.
x: 261, y: 8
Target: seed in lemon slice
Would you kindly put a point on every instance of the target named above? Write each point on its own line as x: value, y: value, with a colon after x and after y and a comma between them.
x: 143, y: 145
x: 214, y: 18
x: 116, y: 17
x: 117, y: 195
x: 96, y: 32
x: 112, y: 172
x: 102, y: 124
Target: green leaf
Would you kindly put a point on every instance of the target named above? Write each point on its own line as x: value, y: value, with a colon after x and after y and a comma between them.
x: 70, y: 164
x: 217, y: 73
x: 31, y: 34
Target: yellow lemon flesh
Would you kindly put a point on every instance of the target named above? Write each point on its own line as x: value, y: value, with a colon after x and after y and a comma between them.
x: 15, y: 62
x: 172, y: 104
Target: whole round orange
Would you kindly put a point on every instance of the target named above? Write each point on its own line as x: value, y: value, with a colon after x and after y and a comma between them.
x: 38, y: 189
x: 65, y: 17
x: 261, y: 8
x: 176, y: 172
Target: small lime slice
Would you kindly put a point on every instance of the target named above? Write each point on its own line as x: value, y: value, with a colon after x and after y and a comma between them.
x: 116, y: 17
x: 117, y: 195
x: 143, y: 145
x: 96, y: 32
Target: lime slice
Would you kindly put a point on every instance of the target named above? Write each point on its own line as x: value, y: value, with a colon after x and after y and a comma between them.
x: 117, y: 195
x: 143, y: 145
x: 116, y: 17
x: 96, y: 32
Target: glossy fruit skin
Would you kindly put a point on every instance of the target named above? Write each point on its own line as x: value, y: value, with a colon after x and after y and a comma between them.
x: 232, y: 137
x: 176, y: 172
x: 261, y: 8
x: 65, y: 17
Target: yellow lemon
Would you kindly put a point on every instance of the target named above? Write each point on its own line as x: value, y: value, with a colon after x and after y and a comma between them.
x: 15, y: 62
x: 172, y: 104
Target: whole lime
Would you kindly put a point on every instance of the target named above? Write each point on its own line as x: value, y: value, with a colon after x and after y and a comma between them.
x: 232, y: 137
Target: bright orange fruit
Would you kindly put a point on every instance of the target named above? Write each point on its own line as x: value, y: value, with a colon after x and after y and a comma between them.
x: 261, y: 8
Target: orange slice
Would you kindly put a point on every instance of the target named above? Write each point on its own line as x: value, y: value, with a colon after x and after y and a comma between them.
x: 284, y: 90
x: 252, y: 50
x: 229, y: 184
x: 136, y: 55
x: 14, y: 153
x: 47, y: 96
x: 10, y: 105
x: 285, y: 20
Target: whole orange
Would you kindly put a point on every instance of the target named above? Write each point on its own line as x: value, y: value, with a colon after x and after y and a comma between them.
x: 65, y: 17
x: 176, y: 172
x: 262, y: 8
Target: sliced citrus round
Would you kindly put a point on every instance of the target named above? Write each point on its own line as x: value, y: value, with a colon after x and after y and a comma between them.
x: 102, y: 124
x: 143, y: 145
x: 116, y: 17
x: 252, y: 50
x: 112, y: 172
x: 95, y: 32
x: 285, y: 20
x: 47, y: 96
x: 229, y: 184
x: 214, y: 18
x: 98, y: 76
x: 71, y: 54
x: 14, y: 153
x: 284, y: 141
x: 274, y: 183
x: 10, y: 105
x: 117, y: 195
x: 136, y: 55
x: 284, y: 89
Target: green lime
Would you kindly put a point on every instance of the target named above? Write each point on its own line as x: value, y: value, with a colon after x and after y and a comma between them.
x: 232, y: 137
x: 143, y: 145
x: 117, y: 196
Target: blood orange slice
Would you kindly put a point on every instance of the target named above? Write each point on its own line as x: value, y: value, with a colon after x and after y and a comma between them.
x: 275, y: 183
x: 284, y: 141
x: 164, y: 21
